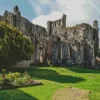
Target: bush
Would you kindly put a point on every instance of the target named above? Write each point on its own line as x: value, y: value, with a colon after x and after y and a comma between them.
x: 15, y: 79
x: 4, y: 81
x: 20, y: 81
x: 12, y: 76
x: 14, y: 46
x: 1, y: 80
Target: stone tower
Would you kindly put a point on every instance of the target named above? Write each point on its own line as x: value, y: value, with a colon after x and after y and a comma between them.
x: 96, y: 37
x: 16, y: 9
x: 18, y: 17
x: 49, y: 27
x: 64, y: 20
x: 95, y: 24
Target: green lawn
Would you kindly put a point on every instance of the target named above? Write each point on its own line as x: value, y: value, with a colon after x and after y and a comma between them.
x: 54, y: 78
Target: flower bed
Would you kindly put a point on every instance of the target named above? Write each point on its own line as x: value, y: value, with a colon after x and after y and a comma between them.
x: 16, y: 80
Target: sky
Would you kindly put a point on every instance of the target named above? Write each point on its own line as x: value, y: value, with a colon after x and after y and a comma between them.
x: 41, y: 11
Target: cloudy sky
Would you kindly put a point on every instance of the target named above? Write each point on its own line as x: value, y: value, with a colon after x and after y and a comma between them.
x: 40, y: 11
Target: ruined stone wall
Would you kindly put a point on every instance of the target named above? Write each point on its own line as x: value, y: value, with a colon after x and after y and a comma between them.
x: 82, y: 38
x: 53, y: 25
x: 15, y: 19
x: 35, y: 32
x: 58, y: 43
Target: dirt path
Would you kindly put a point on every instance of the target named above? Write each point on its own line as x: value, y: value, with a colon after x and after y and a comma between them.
x: 71, y: 94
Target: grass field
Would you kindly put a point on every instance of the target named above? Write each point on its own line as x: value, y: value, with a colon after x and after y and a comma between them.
x: 54, y: 78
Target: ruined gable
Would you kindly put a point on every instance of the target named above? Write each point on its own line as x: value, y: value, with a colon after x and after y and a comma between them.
x: 15, y: 19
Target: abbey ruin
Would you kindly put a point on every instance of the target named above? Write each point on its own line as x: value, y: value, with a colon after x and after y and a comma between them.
x: 58, y: 44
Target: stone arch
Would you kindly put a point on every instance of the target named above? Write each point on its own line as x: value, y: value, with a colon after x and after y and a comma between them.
x: 59, y: 52
x: 70, y: 51
x: 41, y: 51
x: 55, y: 24
x: 64, y: 52
x: 61, y: 23
x: 85, y: 52
x: 49, y: 45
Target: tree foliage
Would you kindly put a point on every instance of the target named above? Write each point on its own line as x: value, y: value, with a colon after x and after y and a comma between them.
x: 14, y: 46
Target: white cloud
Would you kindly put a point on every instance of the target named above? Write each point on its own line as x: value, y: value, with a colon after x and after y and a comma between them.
x: 36, y: 6
x: 95, y: 7
x: 42, y: 20
x: 77, y: 11
x: 44, y: 1
x: 38, y: 10
x: 74, y: 9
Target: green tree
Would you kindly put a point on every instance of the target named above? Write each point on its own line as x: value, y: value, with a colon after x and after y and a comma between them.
x: 14, y: 46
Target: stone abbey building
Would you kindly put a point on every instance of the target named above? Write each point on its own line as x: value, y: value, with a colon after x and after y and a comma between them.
x: 58, y: 44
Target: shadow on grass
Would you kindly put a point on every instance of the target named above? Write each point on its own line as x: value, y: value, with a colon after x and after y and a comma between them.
x: 15, y: 94
x: 51, y: 75
x: 82, y: 69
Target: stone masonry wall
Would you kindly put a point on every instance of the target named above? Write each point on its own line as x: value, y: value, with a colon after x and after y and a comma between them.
x: 58, y: 43
x: 79, y: 41
x: 35, y: 32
